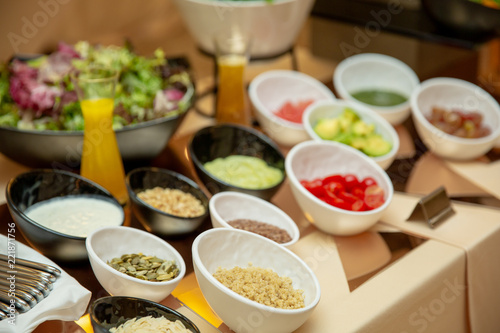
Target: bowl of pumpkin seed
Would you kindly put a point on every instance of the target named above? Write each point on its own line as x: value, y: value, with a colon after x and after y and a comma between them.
x: 131, y: 262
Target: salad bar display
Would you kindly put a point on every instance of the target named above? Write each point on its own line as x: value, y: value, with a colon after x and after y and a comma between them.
x: 157, y: 253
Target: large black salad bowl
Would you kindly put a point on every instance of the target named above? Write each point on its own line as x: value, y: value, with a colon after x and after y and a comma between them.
x: 62, y: 149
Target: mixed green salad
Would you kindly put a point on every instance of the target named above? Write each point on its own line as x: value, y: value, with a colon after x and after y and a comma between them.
x: 38, y: 94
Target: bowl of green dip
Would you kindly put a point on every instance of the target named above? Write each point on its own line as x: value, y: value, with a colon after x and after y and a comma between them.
x: 379, y: 82
x: 229, y: 157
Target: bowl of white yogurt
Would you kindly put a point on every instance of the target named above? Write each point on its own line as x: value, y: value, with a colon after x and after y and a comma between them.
x: 55, y: 210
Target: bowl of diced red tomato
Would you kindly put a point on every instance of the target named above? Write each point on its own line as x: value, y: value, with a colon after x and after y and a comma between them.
x: 280, y: 97
x: 339, y: 189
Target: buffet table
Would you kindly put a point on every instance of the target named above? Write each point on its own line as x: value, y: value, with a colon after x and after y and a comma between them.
x: 400, y: 276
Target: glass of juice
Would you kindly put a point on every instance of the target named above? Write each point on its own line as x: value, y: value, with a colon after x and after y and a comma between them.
x: 101, y: 161
x: 232, y: 52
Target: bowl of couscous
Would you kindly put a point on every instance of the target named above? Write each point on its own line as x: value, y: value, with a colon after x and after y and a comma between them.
x: 229, y: 265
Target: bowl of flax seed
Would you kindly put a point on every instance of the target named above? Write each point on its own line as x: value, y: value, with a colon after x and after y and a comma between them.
x: 247, y: 212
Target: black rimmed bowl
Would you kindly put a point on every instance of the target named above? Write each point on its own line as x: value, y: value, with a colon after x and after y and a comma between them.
x: 112, y: 311
x: 62, y: 149
x: 29, y: 188
x: 224, y: 140
x: 155, y: 220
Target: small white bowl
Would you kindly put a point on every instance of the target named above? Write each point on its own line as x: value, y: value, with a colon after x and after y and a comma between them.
x: 454, y: 93
x: 227, y: 206
x: 376, y: 71
x: 269, y: 91
x: 227, y: 248
x: 333, y: 109
x: 110, y: 242
x: 317, y: 159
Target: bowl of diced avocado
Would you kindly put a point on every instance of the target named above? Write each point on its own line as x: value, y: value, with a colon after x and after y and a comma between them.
x: 354, y: 125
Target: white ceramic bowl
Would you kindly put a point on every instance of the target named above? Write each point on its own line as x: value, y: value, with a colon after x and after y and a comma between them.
x: 110, y: 242
x: 376, y: 71
x: 333, y: 109
x: 317, y: 159
x: 273, y: 26
x: 227, y: 206
x: 270, y: 90
x: 458, y: 94
x: 227, y: 248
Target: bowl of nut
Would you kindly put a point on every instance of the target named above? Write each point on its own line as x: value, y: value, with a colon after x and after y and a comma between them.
x: 131, y: 262
x: 165, y: 202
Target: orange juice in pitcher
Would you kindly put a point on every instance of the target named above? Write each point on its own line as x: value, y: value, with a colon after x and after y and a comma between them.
x: 101, y: 161
x: 231, y: 105
x: 232, y: 53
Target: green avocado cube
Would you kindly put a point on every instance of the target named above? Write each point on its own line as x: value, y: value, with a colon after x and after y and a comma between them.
x: 362, y: 129
x: 376, y: 146
x: 327, y: 129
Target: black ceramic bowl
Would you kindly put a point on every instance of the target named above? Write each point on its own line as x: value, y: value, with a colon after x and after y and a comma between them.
x: 155, y: 220
x: 112, y: 311
x: 31, y: 187
x: 227, y: 139
x: 464, y: 16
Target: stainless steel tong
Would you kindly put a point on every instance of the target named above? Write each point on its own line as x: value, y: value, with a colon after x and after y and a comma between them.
x: 23, y: 284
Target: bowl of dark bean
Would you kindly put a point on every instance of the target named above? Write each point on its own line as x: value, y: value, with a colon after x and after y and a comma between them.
x: 165, y: 202
x: 131, y: 262
x: 246, y: 212
x: 229, y: 157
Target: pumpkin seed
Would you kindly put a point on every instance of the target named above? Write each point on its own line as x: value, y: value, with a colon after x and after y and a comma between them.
x: 150, y: 268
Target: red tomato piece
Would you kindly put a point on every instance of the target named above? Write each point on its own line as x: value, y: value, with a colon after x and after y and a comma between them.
x: 337, y: 202
x: 358, y: 206
x: 348, y: 197
x: 374, y: 196
x: 351, y: 181
x: 334, y: 178
x: 368, y: 181
x: 358, y: 192
x: 334, y: 187
x: 315, y: 187
x: 293, y: 112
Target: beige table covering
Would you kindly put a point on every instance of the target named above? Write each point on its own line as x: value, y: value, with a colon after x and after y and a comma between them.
x: 484, y: 175
x: 475, y: 229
